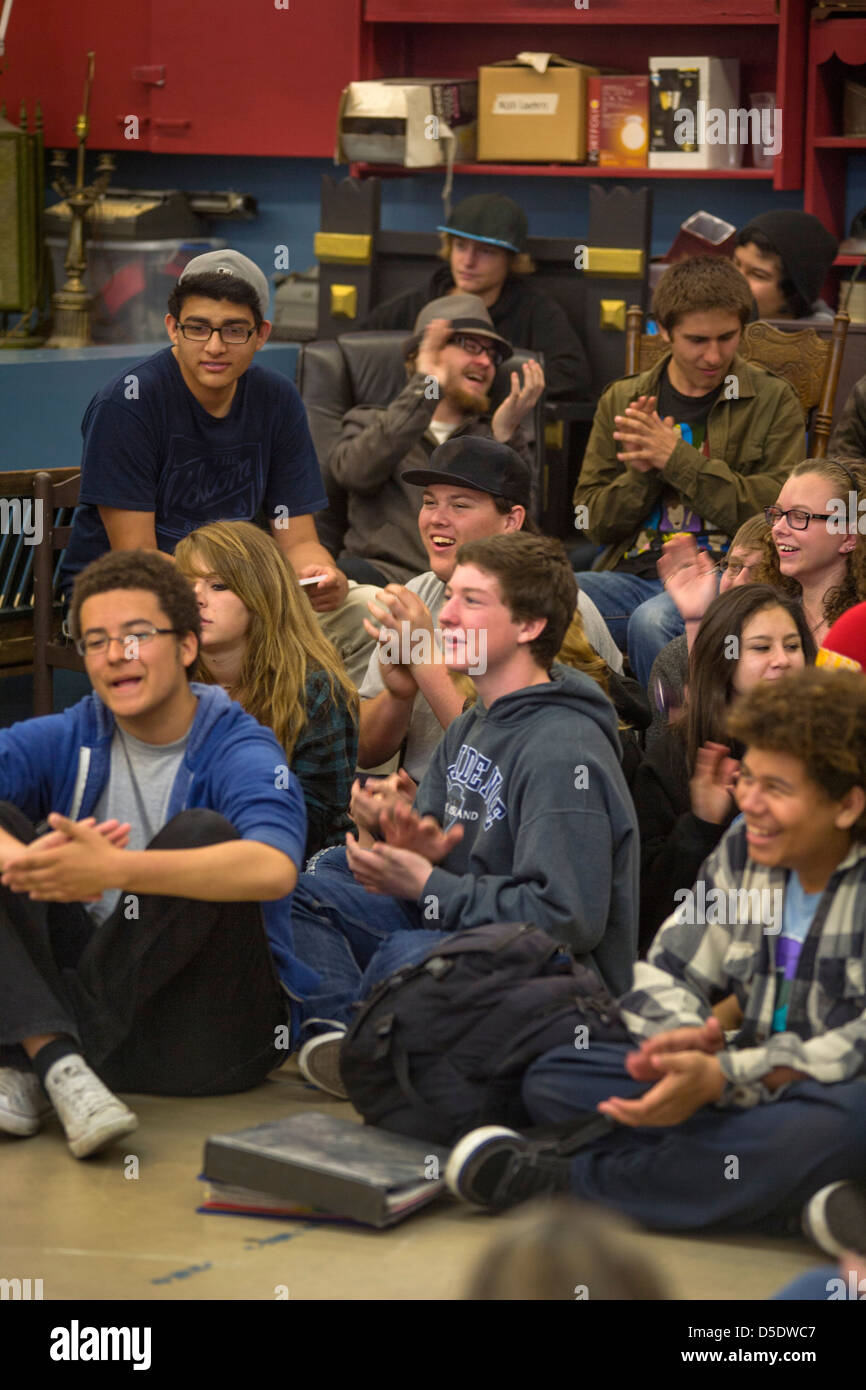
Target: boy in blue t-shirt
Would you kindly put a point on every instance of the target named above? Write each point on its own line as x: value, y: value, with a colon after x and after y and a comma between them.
x: 198, y: 432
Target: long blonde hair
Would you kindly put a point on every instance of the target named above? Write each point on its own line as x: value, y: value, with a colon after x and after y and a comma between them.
x: 284, y: 642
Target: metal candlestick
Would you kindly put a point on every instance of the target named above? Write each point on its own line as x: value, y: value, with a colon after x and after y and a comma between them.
x: 72, y: 306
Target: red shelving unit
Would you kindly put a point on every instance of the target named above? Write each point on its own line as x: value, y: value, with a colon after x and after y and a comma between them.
x: 553, y: 171
x: 835, y: 45
x: 452, y: 38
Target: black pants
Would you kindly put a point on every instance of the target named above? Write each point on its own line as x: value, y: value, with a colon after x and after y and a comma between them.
x: 169, y: 996
x: 361, y: 570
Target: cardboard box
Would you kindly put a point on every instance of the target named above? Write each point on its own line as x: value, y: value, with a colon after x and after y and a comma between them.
x: 693, y: 113
x: 617, y: 121
x: 418, y: 122
x: 532, y: 108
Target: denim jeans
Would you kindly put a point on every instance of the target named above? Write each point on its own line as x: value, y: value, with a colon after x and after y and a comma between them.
x: 727, y: 1168
x: 180, y: 999
x: 641, y: 617
x: 338, y: 930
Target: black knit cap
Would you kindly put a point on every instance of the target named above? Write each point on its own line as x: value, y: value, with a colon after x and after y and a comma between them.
x: 482, y: 464
x: 805, y: 247
x: 489, y: 217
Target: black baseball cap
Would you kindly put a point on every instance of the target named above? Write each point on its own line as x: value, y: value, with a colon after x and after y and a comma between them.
x: 489, y: 217
x: 482, y: 464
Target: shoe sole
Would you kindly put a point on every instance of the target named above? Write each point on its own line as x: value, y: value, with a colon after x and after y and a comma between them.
x: 470, y: 1146
x: 816, y: 1225
x: 102, y: 1135
x: 21, y: 1126
x: 321, y: 1067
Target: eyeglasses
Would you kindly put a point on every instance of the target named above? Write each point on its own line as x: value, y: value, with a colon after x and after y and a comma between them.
x: 476, y: 346
x: 234, y: 334
x: 796, y: 517
x: 735, y: 567
x: 96, y: 642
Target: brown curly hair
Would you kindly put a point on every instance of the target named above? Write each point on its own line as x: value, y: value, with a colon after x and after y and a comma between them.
x: 816, y: 716
x: 842, y: 474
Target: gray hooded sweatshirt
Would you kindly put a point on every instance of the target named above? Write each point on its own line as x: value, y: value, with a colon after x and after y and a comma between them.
x: 549, y: 829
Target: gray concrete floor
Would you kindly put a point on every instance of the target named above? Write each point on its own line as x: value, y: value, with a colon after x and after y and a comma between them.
x: 90, y: 1232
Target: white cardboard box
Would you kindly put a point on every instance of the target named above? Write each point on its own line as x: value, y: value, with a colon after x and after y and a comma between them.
x: 408, y: 121
x: 693, y: 113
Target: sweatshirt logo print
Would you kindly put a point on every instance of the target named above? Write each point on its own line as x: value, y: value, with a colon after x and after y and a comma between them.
x: 471, y: 771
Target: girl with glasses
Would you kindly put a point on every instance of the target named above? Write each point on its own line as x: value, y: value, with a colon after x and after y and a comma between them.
x: 816, y: 551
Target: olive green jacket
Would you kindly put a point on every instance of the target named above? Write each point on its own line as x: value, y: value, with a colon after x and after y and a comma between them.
x: 754, y: 442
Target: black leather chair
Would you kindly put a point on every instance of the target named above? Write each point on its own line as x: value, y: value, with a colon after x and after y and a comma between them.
x: 336, y: 374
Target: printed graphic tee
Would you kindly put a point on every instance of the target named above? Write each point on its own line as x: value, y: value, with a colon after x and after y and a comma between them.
x: 670, y: 514
x: 150, y: 447
x: 797, y: 915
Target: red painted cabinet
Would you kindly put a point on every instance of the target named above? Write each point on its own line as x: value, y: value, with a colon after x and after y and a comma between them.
x: 201, y: 76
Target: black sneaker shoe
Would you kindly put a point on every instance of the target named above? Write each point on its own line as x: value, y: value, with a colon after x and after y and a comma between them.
x: 835, y: 1218
x: 494, y: 1167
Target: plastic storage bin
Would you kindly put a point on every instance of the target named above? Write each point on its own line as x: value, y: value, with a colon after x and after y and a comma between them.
x: 130, y: 282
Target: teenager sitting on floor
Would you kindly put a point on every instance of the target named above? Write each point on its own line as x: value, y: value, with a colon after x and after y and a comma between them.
x: 684, y: 788
x: 261, y: 643
x: 786, y: 1097
x: 473, y: 488
x: 133, y: 952
x: 816, y: 552
x: 692, y: 581
x: 522, y: 815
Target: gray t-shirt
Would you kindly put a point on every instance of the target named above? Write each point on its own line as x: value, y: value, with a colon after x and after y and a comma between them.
x: 425, y: 731
x: 138, y: 790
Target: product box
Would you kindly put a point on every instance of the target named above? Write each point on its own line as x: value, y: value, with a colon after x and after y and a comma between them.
x: 532, y: 108
x: 617, y: 121
x: 693, y: 113
x: 418, y: 122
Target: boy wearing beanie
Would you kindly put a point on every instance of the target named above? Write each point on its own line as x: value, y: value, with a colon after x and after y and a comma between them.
x: 785, y: 256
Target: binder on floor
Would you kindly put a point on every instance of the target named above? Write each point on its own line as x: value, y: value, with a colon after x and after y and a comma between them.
x: 332, y: 1165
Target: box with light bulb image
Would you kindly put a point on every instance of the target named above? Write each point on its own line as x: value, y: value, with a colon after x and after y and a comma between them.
x: 617, y: 128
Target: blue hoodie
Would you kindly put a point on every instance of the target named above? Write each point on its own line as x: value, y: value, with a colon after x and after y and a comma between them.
x: 231, y: 764
x: 549, y: 829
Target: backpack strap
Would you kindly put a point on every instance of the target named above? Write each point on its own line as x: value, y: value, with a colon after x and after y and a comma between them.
x: 400, y: 1059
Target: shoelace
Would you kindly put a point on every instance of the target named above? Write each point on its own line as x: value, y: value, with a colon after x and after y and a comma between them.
x: 76, y: 1099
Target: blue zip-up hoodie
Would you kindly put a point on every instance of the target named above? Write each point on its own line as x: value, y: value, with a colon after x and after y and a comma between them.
x: 231, y: 764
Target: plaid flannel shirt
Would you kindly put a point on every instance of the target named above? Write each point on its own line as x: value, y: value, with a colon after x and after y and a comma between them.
x: 323, y: 761
x: 691, y: 967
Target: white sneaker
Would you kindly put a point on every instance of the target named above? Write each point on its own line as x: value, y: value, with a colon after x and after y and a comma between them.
x: 23, y: 1102
x: 91, y: 1116
x: 319, y: 1062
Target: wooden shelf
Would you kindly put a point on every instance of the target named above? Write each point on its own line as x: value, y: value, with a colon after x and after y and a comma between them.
x: 839, y: 142
x: 598, y: 13
x: 547, y: 171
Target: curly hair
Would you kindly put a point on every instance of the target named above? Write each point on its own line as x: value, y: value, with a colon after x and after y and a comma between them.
x: 699, y: 286
x: 846, y: 476
x: 284, y: 642
x: 819, y: 718
x: 149, y: 570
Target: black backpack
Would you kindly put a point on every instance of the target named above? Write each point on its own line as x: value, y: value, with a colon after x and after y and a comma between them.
x: 441, y: 1047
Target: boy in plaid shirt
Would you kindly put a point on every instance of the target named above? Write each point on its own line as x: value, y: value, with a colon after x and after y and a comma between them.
x: 778, y: 920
